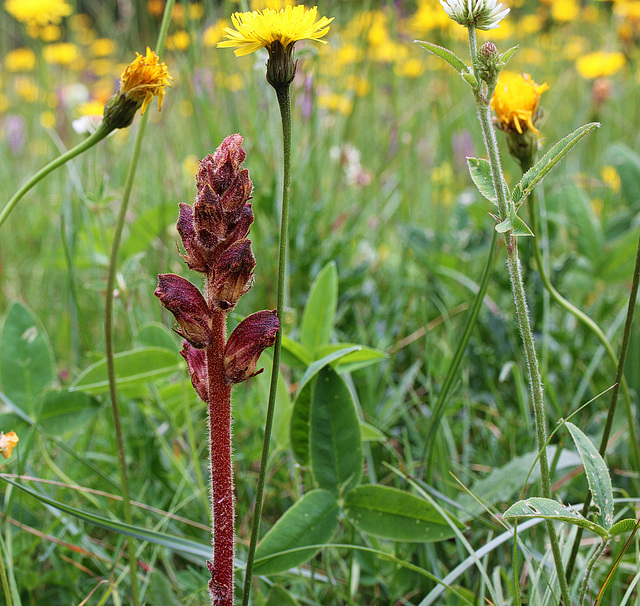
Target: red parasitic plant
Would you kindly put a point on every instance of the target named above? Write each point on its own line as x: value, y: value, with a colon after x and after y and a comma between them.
x: 213, y: 233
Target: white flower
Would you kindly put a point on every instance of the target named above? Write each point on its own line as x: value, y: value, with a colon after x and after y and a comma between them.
x: 482, y: 14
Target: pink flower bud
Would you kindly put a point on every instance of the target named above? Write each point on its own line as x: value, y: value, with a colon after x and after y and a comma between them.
x: 249, y: 339
x: 197, y: 365
x: 188, y: 306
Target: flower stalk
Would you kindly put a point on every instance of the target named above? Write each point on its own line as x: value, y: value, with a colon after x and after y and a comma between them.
x: 213, y: 233
x: 520, y: 300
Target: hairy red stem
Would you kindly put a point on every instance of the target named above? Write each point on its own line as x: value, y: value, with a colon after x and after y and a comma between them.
x: 222, y: 497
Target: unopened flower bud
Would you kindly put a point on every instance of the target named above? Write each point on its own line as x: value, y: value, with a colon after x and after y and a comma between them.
x: 197, y: 365
x: 281, y: 68
x: 234, y: 274
x: 188, y: 306
x: 249, y: 339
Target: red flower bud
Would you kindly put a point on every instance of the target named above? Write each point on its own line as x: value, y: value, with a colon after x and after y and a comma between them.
x: 188, y: 306
x: 197, y: 365
x: 249, y: 339
x: 194, y: 257
x: 234, y: 274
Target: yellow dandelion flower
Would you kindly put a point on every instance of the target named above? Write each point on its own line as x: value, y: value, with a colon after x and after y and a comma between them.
x: 599, y: 64
x: 20, y: 60
x: 8, y: 442
x: 515, y: 101
x: 38, y: 12
x: 144, y: 79
x: 260, y: 29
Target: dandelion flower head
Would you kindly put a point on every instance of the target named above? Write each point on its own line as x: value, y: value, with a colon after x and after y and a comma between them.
x: 515, y: 101
x: 260, y: 29
x: 145, y: 78
x: 8, y: 442
x: 38, y: 12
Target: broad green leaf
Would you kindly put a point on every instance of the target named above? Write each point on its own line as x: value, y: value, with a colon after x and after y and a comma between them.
x: 311, y: 521
x: 548, y: 509
x: 623, y: 526
x: 320, y: 309
x: 154, y: 334
x: 299, y: 426
x: 315, y: 367
x: 597, y: 475
x: 176, y: 543
x: 134, y: 370
x: 480, y: 172
x: 66, y: 411
x: 26, y: 358
x: 390, y: 513
x: 503, y: 482
x: 359, y: 358
x: 294, y: 354
x: 335, y: 444
x: 444, y: 53
x: 541, y: 168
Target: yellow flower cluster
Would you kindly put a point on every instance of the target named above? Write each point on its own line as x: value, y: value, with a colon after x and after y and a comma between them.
x: 260, y: 29
x: 515, y: 101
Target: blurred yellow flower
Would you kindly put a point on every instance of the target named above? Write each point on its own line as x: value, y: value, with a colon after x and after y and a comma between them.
x: 515, y: 101
x: 50, y: 33
x: 179, y: 41
x: 144, y: 79
x: 260, y: 29
x: 611, y: 177
x: 20, y: 60
x: 334, y: 102
x: 91, y: 108
x: 47, y: 119
x: 102, y: 47
x: 599, y: 64
x: 429, y: 17
x: 564, y: 10
x: 8, y: 442
x: 38, y: 12
x: 411, y: 68
x: 61, y: 53
x: 26, y: 88
x: 214, y: 33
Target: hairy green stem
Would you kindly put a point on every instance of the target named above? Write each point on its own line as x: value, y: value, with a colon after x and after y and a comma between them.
x: 452, y: 371
x: 522, y: 312
x: 83, y: 146
x: 108, y: 322
x: 587, y: 574
x: 619, y: 381
x: 284, y: 102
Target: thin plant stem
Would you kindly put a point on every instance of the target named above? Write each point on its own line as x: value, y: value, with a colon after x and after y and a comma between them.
x: 587, y: 574
x: 452, y: 371
x: 5, y: 583
x: 284, y: 101
x: 522, y: 312
x: 108, y: 322
x: 624, y: 349
x: 83, y: 146
x: 222, y: 500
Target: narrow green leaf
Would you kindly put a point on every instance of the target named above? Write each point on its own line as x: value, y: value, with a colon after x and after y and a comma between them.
x: 622, y: 527
x: 506, y: 56
x: 444, y: 53
x: 536, y: 173
x: 315, y: 367
x: 548, y: 509
x: 335, y: 444
x: 295, y: 354
x: 144, y: 534
x: 597, y: 475
x: 134, y: 370
x: 26, y: 358
x: 66, y: 411
x: 320, y: 309
x: 279, y: 596
x: 370, y: 433
x: 311, y: 521
x: 359, y: 358
x: 390, y: 513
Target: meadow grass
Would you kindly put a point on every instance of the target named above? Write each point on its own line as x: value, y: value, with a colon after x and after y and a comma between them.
x: 380, y: 187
